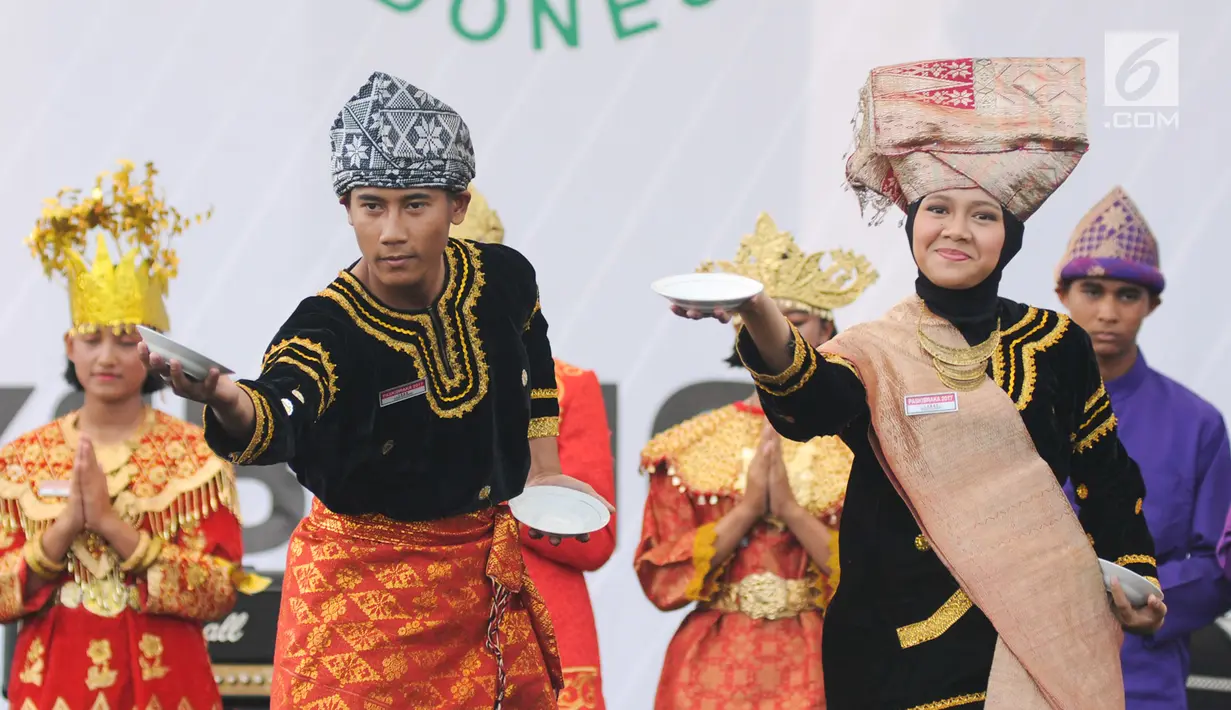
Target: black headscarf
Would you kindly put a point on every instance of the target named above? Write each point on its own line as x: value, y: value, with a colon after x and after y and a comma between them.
x: 972, y: 311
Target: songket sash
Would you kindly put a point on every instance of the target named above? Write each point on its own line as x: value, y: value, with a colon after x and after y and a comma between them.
x: 384, y: 614
x: 994, y: 513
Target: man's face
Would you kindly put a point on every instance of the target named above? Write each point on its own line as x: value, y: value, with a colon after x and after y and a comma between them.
x: 1110, y: 310
x: 402, y: 233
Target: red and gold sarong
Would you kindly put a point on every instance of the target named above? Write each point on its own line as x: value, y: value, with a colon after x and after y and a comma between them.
x: 383, y: 614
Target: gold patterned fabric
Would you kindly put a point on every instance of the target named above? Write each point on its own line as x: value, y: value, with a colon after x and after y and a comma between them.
x: 381, y: 614
x: 1015, y: 127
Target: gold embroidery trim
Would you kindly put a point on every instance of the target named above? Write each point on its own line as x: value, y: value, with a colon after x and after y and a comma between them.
x: 797, y: 361
x: 543, y: 426
x: 1029, y: 352
x: 262, y: 427
x: 953, y: 702
x: 295, y: 351
x: 544, y: 394
x: 1094, y: 398
x: 702, y: 559
x: 1137, y: 560
x: 461, y: 332
x: 1089, y: 440
x: 937, y: 624
x: 538, y: 307
x: 765, y: 595
x: 1154, y: 581
x: 839, y: 360
x: 1137, y: 507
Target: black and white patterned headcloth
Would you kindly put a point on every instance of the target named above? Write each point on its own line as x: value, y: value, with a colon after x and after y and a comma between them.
x: 393, y: 134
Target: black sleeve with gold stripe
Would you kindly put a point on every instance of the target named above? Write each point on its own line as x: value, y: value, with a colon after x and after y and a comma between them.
x: 299, y: 382
x: 817, y: 395
x: 1106, y: 481
x: 544, y: 404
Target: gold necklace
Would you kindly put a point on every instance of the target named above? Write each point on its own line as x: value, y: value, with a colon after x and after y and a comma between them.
x: 963, y: 369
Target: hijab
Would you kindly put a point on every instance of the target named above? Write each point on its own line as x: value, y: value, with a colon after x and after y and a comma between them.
x: 973, y: 311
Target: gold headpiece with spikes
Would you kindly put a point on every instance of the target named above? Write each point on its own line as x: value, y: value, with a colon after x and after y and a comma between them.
x: 107, y: 294
x: 482, y: 224
x: 795, y: 280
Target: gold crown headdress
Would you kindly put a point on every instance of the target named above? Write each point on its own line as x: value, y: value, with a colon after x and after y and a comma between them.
x: 107, y: 294
x: 482, y: 224
x: 795, y: 280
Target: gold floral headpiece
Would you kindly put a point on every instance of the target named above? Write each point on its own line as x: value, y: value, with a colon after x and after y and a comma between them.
x: 482, y: 224
x: 795, y: 280
x: 139, y: 223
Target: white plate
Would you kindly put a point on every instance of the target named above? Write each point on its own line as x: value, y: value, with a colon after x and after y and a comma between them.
x: 1137, y: 588
x: 706, y: 292
x: 560, y: 511
x: 195, y: 364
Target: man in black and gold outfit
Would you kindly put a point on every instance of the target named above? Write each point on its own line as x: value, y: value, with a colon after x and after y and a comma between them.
x: 413, y: 396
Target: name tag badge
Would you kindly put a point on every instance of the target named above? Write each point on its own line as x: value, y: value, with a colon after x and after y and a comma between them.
x: 403, y: 392
x: 938, y: 403
x: 54, y: 489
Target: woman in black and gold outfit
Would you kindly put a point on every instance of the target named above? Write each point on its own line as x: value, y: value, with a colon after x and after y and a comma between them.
x: 967, y: 580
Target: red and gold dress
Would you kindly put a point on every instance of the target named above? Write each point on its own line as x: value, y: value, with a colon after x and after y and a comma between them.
x: 98, y: 637
x: 754, y: 640
x: 585, y: 454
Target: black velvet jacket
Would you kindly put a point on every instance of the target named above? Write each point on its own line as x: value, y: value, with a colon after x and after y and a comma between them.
x: 890, y: 577
x: 414, y: 415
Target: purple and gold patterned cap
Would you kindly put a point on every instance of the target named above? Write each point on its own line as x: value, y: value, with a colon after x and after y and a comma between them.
x: 1113, y: 241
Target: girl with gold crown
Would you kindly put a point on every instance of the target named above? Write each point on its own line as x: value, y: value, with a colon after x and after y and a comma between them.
x: 119, y: 528
x: 743, y: 523
x: 969, y: 582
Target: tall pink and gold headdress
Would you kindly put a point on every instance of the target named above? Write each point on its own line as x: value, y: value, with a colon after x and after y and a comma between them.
x: 1014, y: 127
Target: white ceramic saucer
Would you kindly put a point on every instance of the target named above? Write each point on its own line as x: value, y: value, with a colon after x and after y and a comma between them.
x: 195, y: 364
x: 556, y: 510
x: 707, y: 292
x: 1136, y: 588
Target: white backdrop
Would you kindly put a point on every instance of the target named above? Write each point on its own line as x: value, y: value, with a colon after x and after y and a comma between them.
x: 612, y: 162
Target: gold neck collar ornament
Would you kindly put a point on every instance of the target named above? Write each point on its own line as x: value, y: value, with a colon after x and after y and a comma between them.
x: 963, y: 369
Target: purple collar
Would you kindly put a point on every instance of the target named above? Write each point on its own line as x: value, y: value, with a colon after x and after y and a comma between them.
x: 1125, y: 385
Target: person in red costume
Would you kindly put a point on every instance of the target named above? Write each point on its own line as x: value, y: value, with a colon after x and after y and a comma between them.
x: 558, y: 566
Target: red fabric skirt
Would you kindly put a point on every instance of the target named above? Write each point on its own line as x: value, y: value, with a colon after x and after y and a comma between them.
x: 383, y: 614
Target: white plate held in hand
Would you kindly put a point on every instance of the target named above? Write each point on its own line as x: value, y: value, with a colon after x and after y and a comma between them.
x: 1136, y: 588
x: 707, y: 292
x: 556, y: 510
x: 195, y: 364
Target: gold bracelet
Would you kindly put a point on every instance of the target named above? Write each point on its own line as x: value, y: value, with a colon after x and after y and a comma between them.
x: 143, y: 544
x: 151, y: 554
x: 39, y: 563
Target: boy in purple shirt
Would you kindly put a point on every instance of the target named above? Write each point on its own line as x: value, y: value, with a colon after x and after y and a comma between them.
x: 1109, y: 281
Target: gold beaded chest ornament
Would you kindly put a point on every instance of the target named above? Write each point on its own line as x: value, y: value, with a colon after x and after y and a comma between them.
x: 137, y: 220
x: 817, y: 283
